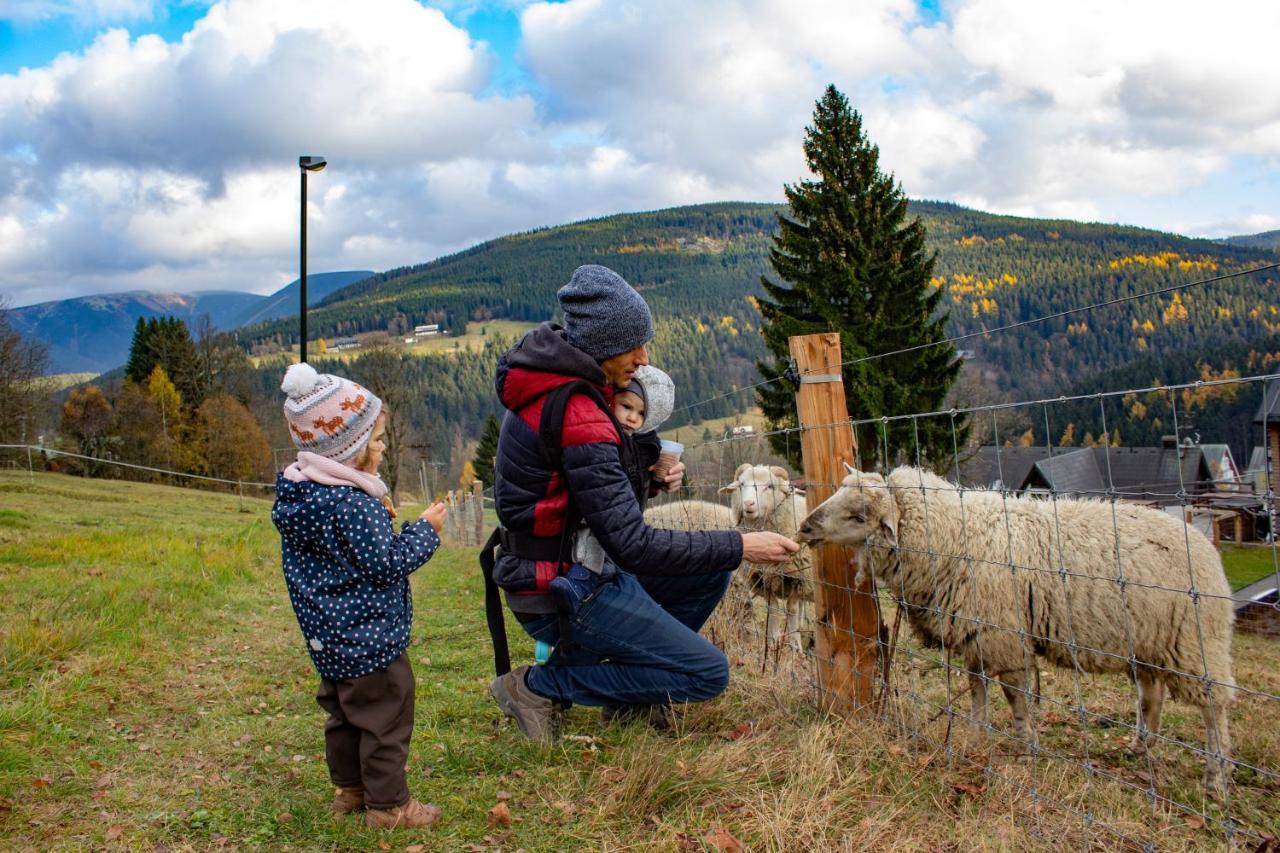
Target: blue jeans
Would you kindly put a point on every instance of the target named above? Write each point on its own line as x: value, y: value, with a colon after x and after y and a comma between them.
x: 635, y: 642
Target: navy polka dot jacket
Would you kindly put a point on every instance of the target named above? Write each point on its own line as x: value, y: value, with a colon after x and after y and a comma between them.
x: 348, y: 574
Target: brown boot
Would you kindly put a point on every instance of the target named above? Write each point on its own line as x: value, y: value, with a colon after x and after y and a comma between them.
x: 412, y: 815
x: 348, y: 800
x: 537, y: 717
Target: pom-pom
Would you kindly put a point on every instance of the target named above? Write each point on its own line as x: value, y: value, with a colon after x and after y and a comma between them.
x: 299, y: 380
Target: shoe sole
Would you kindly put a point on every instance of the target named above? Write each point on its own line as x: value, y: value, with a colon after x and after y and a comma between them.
x: 507, y: 703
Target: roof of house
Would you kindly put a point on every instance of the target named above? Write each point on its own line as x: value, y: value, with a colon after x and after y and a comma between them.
x: 1147, y: 473
x: 1269, y: 407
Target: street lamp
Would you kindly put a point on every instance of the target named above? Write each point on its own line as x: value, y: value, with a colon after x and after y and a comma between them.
x: 305, y: 164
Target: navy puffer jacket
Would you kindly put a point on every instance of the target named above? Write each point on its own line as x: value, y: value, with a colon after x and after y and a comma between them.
x: 532, y: 499
x: 348, y: 574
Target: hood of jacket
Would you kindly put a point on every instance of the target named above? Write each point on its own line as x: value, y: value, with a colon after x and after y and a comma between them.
x: 540, y: 362
x: 302, y: 509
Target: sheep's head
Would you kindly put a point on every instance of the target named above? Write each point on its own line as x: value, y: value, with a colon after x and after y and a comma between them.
x: 861, y: 511
x: 756, y: 491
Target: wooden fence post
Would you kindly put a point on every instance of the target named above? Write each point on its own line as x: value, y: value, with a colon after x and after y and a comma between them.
x: 477, y: 500
x: 848, y: 625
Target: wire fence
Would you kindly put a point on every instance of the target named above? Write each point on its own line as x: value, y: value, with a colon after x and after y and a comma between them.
x: 1083, y: 581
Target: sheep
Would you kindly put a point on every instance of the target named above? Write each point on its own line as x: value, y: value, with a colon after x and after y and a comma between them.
x: 1001, y: 580
x: 735, y: 608
x: 762, y: 498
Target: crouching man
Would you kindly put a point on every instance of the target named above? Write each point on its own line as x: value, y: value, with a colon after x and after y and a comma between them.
x: 625, y: 630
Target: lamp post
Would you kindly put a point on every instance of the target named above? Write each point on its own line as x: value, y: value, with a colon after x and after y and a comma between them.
x: 305, y: 164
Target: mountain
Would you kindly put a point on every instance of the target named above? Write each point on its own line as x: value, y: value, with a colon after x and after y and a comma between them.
x: 699, y: 267
x: 284, y: 302
x: 92, y: 333
x: 1268, y: 240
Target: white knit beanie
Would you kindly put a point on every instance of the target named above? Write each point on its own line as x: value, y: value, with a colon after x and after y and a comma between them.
x: 327, y: 414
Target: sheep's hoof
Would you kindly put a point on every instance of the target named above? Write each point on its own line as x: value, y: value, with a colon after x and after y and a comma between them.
x: 1138, y: 744
x: 1215, y: 783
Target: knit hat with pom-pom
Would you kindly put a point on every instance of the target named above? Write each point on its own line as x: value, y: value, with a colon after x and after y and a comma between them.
x: 327, y: 414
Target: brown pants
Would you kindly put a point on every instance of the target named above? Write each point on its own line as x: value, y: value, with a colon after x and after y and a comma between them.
x: 366, y: 738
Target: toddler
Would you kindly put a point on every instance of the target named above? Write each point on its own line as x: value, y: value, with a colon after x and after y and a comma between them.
x: 645, y: 404
x: 348, y: 577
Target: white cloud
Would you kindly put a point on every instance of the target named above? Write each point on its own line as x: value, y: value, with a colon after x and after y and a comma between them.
x: 141, y: 163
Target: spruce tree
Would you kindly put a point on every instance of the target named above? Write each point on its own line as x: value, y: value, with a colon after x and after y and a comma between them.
x: 487, y: 451
x: 850, y: 261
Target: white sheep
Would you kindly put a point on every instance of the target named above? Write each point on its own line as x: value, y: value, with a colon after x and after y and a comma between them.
x: 1092, y: 585
x: 688, y: 515
x: 762, y: 498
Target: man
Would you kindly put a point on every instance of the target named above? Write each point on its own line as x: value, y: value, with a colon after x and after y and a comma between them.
x: 633, y: 643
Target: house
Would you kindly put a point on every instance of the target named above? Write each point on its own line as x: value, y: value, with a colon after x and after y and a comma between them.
x: 1268, y: 418
x: 339, y: 344
x: 745, y: 429
x: 426, y: 331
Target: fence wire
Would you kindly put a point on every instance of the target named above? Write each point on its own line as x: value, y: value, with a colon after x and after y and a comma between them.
x: 1085, y: 582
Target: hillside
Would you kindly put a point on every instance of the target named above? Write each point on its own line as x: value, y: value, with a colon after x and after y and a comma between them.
x: 92, y: 333
x: 1267, y: 240
x: 700, y: 266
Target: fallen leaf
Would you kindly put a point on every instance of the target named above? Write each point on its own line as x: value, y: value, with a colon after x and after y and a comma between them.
x: 415, y: 848
x: 384, y: 845
x: 41, y: 782
x: 284, y: 817
x: 6, y: 804
x: 94, y: 573
x: 741, y: 730
x: 96, y: 765
x: 518, y: 773
x: 500, y: 815
x: 502, y: 796
x: 971, y: 788
x: 722, y: 841
x: 1193, y: 821
x: 114, y: 831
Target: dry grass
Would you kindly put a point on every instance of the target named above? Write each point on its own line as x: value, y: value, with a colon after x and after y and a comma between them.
x: 154, y: 694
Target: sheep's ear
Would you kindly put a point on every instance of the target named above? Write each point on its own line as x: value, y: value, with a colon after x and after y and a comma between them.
x: 889, y: 530
x: 729, y: 489
x: 848, y: 469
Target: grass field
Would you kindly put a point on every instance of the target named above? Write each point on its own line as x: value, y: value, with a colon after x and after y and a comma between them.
x: 154, y: 694
x: 478, y: 334
x: 1246, y: 564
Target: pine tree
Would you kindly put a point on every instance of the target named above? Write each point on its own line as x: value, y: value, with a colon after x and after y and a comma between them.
x: 850, y: 261
x: 486, y: 451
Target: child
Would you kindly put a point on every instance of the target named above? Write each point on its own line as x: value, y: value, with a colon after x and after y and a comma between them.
x: 348, y: 578
x: 646, y: 403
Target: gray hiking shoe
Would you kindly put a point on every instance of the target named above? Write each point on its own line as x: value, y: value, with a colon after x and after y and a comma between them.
x: 537, y: 717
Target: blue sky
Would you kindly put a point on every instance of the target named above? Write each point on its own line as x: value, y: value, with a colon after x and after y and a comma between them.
x: 146, y: 145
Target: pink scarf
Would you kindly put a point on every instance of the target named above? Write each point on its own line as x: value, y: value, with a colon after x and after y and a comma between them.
x: 323, y: 470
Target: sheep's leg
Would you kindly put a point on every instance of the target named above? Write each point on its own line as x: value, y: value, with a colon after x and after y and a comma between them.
x: 793, y: 622
x: 1150, y: 701
x: 978, y: 687
x: 1217, y: 743
x: 1014, y: 685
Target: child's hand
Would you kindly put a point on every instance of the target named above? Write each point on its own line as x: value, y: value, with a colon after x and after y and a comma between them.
x: 391, y: 508
x: 434, y: 515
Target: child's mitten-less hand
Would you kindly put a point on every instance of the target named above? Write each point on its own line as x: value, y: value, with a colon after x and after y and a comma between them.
x: 434, y: 515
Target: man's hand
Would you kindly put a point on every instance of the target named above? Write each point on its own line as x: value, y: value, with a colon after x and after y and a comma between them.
x: 765, y: 546
x: 670, y: 482
x: 434, y: 515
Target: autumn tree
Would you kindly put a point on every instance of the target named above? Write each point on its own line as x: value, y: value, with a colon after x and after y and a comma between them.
x: 87, y: 419
x: 26, y: 394
x: 139, y: 430
x: 848, y: 259
x: 487, y: 450
x: 231, y: 444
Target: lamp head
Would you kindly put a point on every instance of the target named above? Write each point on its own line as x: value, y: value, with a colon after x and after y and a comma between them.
x: 312, y: 164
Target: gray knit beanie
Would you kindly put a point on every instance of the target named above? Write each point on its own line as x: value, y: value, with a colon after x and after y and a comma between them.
x: 603, y: 315
x: 658, y: 392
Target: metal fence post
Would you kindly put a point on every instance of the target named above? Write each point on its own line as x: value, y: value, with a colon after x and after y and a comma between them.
x: 848, y: 625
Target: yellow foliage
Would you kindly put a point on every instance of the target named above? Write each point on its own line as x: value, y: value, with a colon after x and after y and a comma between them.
x: 1027, y: 439
x: 1176, y: 311
x: 701, y: 327
x: 1081, y: 328
x: 1165, y: 260
x: 468, y: 474
x: 1068, y: 438
x: 322, y: 346
x: 1141, y: 344
x: 1223, y: 312
x: 1200, y: 396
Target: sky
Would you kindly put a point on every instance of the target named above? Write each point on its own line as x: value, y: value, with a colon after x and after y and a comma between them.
x: 153, y: 146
